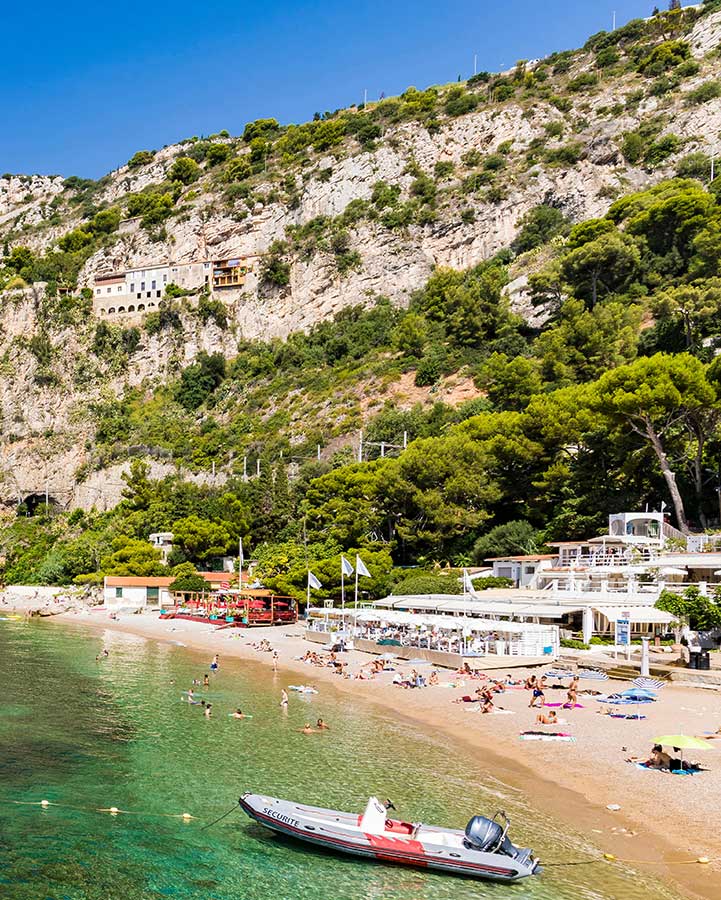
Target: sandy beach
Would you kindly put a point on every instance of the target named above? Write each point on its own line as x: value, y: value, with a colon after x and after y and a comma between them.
x: 665, y: 822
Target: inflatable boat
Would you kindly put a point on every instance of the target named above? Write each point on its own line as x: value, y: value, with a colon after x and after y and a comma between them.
x: 482, y: 850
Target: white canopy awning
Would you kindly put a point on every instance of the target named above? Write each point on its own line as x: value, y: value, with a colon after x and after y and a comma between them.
x: 643, y: 615
x: 451, y: 623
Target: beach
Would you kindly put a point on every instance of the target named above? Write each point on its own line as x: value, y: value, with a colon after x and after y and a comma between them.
x: 664, y: 822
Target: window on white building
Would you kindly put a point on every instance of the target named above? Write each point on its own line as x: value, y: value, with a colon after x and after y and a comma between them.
x: 98, y: 290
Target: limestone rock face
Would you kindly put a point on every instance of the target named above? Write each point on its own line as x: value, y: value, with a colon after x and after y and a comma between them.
x: 46, y: 407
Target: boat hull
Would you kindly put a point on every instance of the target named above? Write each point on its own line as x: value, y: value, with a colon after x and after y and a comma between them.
x: 341, y: 833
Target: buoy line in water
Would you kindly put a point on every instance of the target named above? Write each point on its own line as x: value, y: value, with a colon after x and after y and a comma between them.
x: 112, y: 810
x: 188, y: 817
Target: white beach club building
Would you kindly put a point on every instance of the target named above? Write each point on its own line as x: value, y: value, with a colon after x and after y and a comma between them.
x: 444, y: 639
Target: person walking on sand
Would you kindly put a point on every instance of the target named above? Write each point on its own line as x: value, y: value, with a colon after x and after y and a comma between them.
x: 284, y: 698
x: 572, y: 694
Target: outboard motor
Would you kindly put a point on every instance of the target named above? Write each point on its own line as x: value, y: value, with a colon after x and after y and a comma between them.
x: 488, y: 835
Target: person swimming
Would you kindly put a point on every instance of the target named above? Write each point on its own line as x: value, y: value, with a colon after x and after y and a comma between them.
x: 238, y: 714
x: 307, y: 729
x: 321, y: 726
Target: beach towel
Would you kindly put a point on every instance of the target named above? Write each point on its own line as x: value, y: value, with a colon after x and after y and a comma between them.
x: 694, y: 770
x: 626, y: 716
x: 549, y: 736
x: 618, y: 700
x: 565, y: 705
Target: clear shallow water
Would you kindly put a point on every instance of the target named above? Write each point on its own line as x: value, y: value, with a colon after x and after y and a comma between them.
x: 115, y: 733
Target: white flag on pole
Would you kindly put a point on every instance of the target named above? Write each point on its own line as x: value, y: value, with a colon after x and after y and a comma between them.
x: 361, y: 569
x: 467, y: 583
x: 313, y: 581
x: 346, y: 567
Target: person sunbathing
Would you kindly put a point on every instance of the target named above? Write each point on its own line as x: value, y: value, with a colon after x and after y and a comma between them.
x: 547, y: 719
x: 487, y: 706
x: 658, y: 759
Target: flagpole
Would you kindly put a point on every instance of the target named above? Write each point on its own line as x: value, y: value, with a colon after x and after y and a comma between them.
x: 240, y: 563
x: 355, y: 601
x: 307, y: 601
x: 342, y: 583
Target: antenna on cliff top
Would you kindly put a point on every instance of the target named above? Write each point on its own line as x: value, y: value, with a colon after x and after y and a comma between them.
x: 614, y: 20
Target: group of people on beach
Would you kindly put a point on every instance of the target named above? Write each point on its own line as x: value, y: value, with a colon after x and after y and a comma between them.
x: 538, y: 687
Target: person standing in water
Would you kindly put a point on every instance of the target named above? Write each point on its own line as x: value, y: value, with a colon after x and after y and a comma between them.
x: 206, y: 681
x: 207, y: 713
x: 215, y: 665
x: 284, y: 698
x: 275, y: 660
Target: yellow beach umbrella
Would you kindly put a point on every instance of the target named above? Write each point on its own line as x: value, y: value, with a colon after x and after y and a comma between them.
x: 683, y: 742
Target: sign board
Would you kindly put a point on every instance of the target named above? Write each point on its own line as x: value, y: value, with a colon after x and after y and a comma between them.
x: 623, y: 630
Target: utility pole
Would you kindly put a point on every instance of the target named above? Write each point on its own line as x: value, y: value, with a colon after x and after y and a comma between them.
x: 257, y: 468
x: 360, y: 446
x: 245, y: 468
x: 318, y: 452
x: 614, y: 20
x: 405, y: 439
x: 475, y: 64
x: 365, y: 97
x: 383, y: 449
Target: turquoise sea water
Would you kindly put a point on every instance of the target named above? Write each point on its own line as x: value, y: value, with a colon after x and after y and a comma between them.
x: 87, y: 734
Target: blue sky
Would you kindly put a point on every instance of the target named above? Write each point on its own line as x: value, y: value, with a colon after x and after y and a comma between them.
x: 83, y: 86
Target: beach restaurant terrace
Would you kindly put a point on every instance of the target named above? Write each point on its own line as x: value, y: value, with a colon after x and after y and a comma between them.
x: 440, y: 639
x: 591, y: 618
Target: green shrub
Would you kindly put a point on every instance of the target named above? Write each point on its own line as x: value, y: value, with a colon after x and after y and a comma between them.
x: 572, y: 644
x: 661, y: 149
x: 694, y: 165
x: 415, y: 585
x: 568, y: 155
x: 583, y: 82
x: 709, y: 90
x: 609, y: 56
x: 458, y: 102
x: 141, y: 158
x: 664, y: 57
x: 633, y: 147
x: 443, y: 169
x: 185, y: 170
x: 275, y: 269
x: 538, y: 226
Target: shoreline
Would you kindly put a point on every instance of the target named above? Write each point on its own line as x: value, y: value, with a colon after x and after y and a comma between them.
x: 566, y: 780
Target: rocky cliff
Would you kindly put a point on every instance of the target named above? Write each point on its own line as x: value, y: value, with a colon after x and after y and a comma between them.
x: 348, y: 218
